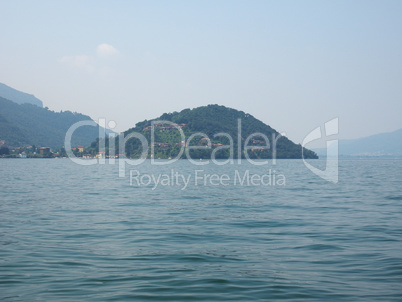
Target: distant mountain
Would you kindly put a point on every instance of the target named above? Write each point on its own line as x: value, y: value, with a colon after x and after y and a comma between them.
x: 18, y: 97
x: 211, y: 120
x: 27, y: 124
x: 383, y: 144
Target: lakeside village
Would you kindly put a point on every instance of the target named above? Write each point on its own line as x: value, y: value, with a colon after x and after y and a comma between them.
x: 80, y: 151
x: 46, y: 152
x: 8, y: 151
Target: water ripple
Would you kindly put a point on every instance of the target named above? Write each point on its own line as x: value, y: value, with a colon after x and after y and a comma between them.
x: 73, y: 233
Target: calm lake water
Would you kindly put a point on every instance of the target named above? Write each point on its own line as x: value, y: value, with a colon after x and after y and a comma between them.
x: 81, y: 233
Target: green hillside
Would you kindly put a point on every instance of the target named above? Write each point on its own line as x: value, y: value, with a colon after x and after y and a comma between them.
x: 211, y: 120
x: 9, y: 132
x: 27, y: 124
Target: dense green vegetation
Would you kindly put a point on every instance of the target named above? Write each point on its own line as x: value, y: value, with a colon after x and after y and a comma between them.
x: 210, y: 120
x: 27, y: 124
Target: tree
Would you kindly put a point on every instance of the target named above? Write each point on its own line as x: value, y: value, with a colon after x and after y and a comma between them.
x: 4, y: 151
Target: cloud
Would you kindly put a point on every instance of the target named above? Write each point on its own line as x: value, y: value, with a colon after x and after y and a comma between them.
x: 81, y: 61
x: 106, y: 50
x: 92, y: 63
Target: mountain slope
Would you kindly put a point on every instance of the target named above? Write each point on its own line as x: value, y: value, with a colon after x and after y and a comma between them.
x: 13, y: 135
x: 27, y: 124
x: 18, y: 97
x: 383, y: 144
x: 211, y: 120
x: 380, y: 144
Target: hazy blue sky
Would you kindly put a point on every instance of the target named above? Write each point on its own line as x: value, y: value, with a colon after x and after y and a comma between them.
x: 292, y: 64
